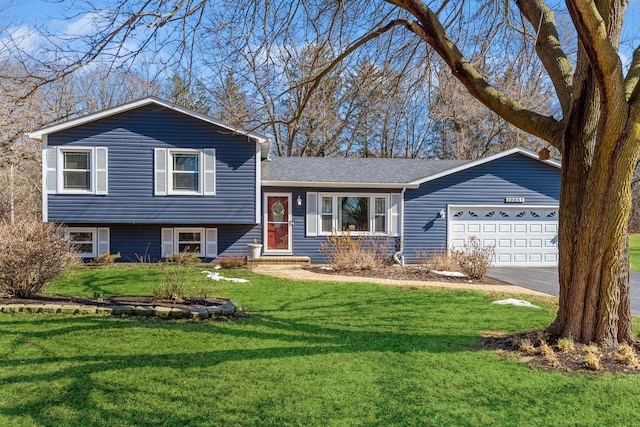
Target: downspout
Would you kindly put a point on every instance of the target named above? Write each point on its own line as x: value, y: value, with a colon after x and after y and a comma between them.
x: 397, y: 256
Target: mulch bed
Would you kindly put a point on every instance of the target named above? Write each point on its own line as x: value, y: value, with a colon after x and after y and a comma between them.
x: 557, y: 359
x: 117, y: 300
x: 408, y: 272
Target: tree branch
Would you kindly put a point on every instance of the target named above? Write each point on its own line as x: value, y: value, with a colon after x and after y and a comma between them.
x: 549, y: 49
x: 603, y: 58
x: 632, y: 81
x: 354, y: 46
x: 431, y: 31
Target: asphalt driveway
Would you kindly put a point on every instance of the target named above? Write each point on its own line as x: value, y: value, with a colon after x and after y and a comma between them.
x: 545, y: 279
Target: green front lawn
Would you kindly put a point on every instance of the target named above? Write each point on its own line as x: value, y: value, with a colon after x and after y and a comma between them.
x: 312, y: 354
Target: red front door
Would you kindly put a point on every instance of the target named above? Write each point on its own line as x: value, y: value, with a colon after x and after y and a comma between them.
x: 278, y: 222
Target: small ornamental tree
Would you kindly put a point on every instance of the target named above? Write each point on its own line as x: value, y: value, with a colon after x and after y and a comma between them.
x: 31, y: 254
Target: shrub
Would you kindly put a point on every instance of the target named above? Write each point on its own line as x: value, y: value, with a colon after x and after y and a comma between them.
x: 474, y: 260
x: 232, y: 261
x: 526, y: 346
x: 592, y: 357
x: 627, y: 355
x: 566, y: 344
x: 438, y: 260
x: 170, y: 290
x: 363, y: 253
x: 183, y: 258
x: 31, y: 254
x: 106, y: 258
x: 549, y: 354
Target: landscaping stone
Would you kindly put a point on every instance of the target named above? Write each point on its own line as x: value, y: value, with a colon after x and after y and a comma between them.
x: 195, y: 313
x: 214, y: 310
x: 228, y: 308
x: 69, y: 309
x: 87, y: 310
x: 104, y: 310
x: 143, y: 310
x: 37, y: 308
x: 178, y: 313
x: 162, y: 311
x: 51, y: 308
x: 121, y: 310
x: 199, y: 313
x: 15, y: 308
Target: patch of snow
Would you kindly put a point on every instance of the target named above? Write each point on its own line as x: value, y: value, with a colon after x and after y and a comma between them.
x: 516, y: 302
x: 326, y: 268
x: 448, y: 273
x: 217, y: 277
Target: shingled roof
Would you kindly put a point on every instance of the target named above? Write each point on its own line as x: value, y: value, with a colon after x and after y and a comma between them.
x: 351, y: 171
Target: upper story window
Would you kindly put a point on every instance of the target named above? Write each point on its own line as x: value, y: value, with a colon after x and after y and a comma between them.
x: 184, y: 172
x: 354, y: 214
x: 75, y: 170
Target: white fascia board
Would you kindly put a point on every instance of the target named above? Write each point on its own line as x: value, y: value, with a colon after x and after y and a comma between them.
x: 137, y: 104
x: 484, y: 160
x: 305, y: 184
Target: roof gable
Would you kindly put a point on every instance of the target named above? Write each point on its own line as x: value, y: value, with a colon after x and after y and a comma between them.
x: 478, y: 162
x: 38, y: 135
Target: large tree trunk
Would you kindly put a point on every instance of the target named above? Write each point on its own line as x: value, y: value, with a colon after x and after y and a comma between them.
x: 595, y: 203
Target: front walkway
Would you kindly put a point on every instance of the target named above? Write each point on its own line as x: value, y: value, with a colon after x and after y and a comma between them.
x: 296, y: 272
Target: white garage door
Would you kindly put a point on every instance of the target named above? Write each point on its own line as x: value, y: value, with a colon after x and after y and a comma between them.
x: 521, y: 235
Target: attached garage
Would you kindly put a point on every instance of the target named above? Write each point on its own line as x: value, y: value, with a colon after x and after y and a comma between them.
x: 521, y: 235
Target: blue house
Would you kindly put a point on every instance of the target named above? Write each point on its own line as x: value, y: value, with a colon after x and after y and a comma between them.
x: 149, y: 179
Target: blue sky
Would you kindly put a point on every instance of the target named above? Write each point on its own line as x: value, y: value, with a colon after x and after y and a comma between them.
x: 25, y: 14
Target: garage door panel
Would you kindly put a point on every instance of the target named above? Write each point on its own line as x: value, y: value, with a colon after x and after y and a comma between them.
x: 504, y: 243
x: 519, y: 228
x: 519, y: 243
x: 488, y: 228
x: 520, y: 235
x: 504, y: 228
x: 535, y: 228
x: 535, y: 257
x: 473, y: 228
x: 535, y: 243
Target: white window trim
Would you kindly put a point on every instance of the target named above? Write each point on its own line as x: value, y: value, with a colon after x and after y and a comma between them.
x: 372, y: 214
x: 171, y: 191
x: 209, y: 249
x: 94, y: 239
x: 176, y: 242
x: 92, y: 170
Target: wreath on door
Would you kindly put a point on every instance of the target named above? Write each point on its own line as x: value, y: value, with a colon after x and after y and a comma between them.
x: 277, y: 213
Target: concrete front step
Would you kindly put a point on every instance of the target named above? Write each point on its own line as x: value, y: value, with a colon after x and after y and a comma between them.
x: 281, y: 260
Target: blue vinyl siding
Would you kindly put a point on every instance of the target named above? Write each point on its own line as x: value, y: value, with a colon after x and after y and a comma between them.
x: 309, y: 246
x: 135, y: 242
x: 131, y: 138
x: 486, y: 184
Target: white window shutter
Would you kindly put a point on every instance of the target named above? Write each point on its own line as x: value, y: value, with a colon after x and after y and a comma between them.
x: 167, y: 242
x: 209, y: 172
x: 394, y: 213
x: 104, y: 244
x: 101, y: 168
x: 211, y: 243
x: 160, y: 171
x: 312, y: 214
x: 50, y: 159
